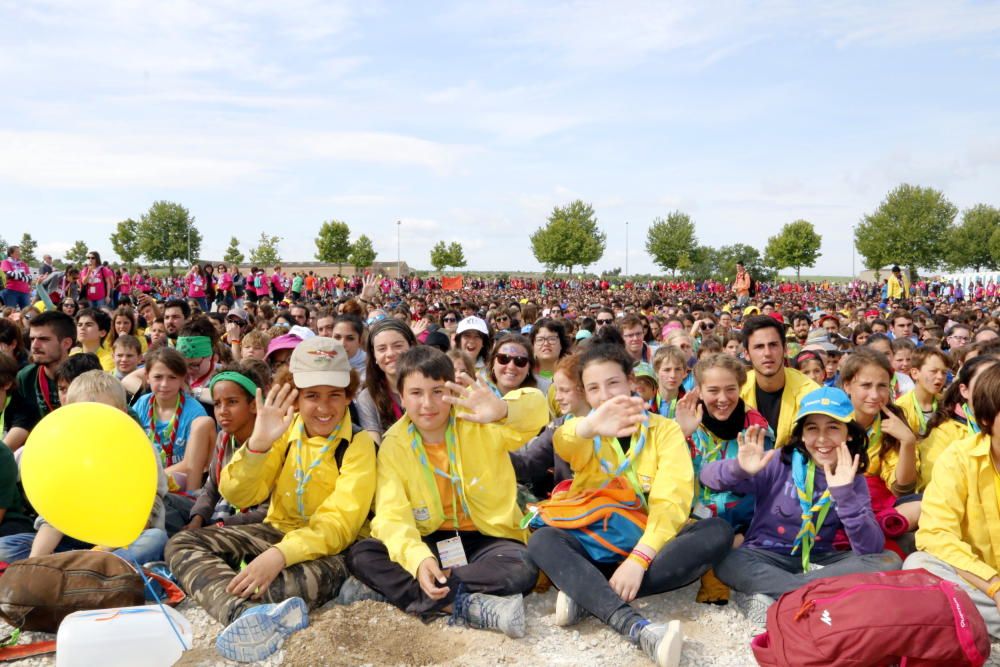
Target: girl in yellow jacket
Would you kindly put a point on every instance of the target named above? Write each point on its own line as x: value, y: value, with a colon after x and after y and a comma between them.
x: 620, y: 438
x: 318, y: 470
x: 959, y: 535
x: 446, y: 536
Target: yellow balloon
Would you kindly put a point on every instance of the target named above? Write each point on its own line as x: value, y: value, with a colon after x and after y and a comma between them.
x: 90, y: 471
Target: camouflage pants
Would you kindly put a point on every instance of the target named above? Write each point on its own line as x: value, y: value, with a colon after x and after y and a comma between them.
x: 204, y: 561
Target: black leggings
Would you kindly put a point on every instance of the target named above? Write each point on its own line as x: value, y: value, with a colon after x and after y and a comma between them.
x: 697, y: 547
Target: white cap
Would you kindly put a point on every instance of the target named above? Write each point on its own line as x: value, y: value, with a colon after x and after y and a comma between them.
x: 473, y: 323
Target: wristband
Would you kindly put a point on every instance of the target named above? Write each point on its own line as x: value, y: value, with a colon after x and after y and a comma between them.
x: 635, y: 558
x: 234, y: 342
x: 220, y: 524
x: 993, y: 589
x: 254, y: 451
x: 646, y: 559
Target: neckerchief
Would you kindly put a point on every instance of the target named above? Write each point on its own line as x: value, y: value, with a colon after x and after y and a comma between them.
x: 875, y: 435
x: 166, y: 448
x: 804, y: 476
x: 665, y: 409
x: 302, y: 476
x: 711, y: 448
x: 45, y: 405
x: 452, y: 474
x: 970, y: 419
x: 627, y: 463
x: 921, y: 419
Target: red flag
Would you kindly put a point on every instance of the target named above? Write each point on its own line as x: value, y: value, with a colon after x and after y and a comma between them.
x: 451, y: 283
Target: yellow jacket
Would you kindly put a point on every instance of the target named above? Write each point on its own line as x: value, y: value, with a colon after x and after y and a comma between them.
x: 407, y: 508
x: 959, y: 516
x: 898, y: 289
x: 337, y: 502
x: 907, y: 404
x: 931, y: 447
x: 797, y: 385
x: 664, y: 469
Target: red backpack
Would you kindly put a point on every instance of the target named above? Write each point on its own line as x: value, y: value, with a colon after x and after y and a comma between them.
x: 906, y: 617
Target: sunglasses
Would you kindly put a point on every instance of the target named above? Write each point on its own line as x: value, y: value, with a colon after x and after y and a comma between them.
x: 601, y: 321
x: 449, y: 319
x: 503, y: 318
x: 505, y: 359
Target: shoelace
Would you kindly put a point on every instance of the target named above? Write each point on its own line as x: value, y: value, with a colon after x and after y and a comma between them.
x: 460, y: 606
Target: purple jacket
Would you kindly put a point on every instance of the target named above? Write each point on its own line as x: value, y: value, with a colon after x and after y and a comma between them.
x: 777, y: 514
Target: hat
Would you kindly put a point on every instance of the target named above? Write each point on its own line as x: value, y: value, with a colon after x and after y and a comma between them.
x: 582, y: 334
x: 777, y: 316
x: 320, y: 361
x: 644, y: 370
x: 871, y: 312
x: 750, y: 310
x: 819, y: 340
x: 472, y: 323
x: 284, y: 342
x: 828, y: 316
x: 828, y: 401
x: 238, y: 313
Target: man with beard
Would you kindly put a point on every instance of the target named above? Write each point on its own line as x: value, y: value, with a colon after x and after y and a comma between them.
x: 175, y: 315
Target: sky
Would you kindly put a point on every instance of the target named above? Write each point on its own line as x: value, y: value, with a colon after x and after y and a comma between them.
x: 469, y: 122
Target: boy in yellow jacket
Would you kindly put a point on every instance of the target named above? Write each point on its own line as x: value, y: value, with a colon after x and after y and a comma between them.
x: 446, y: 535
x: 319, y: 472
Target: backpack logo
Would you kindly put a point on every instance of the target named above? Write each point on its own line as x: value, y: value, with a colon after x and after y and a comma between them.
x: 825, y: 617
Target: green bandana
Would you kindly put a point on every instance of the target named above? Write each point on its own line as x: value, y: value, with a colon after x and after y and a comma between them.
x: 194, y: 347
x: 238, y: 378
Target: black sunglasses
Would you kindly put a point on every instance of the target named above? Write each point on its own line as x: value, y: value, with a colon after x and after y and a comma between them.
x: 449, y: 319
x: 605, y: 321
x: 505, y: 359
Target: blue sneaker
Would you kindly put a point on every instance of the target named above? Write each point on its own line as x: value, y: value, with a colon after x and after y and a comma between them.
x: 260, y: 630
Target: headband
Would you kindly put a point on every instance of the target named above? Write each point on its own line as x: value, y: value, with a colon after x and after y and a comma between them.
x: 194, y: 347
x: 238, y: 378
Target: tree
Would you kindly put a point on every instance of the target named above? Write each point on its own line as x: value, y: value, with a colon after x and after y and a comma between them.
x: 456, y: 255
x: 333, y: 244
x: 3, y: 247
x: 671, y: 242
x: 166, y: 233
x: 28, y: 247
x: 969, y: 244
x: 125, y: 240
x: 362, y: 253
x: 727, y: 256
x: 795, y: 246
x: 910, y: 228
x: 77, y: 254
x: 266, y: 253
x: 571, y: 237
x: 440, y: 258
x: 233, y: 254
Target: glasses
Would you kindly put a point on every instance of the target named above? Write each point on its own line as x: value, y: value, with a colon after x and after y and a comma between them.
x: 632, y: 336
x: 547, y: 340
x: 963, y: 339
x: 604, y: 321
x: 708, y: 325
x: 505, y: 359
x: 91, y: 257
x: 503, y: 318
x: 449, y: 319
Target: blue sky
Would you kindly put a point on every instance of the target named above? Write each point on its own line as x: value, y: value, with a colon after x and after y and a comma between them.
x: 469, y: 122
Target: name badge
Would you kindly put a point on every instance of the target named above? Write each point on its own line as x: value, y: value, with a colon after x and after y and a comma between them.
x: 451, y: 553
x: 701, y: 511
x: 421, y: 514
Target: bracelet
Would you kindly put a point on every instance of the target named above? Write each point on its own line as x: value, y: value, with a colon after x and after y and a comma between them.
x: 647, y: 559
x: 234, y: 342
x: 254, y: 451
x: 635, y: 558
x: 993, y: 589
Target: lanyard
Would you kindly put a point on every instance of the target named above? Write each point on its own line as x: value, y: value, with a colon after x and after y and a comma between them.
x: 302, y: 477
x: 627, y: 465
x: 921, y: 419
x: 711, y: 449
x: 452, y: 474
x: 45, y: 405
x: 666, y: 409
x: 804, y: 476
x: 970, y: 419
x: 166, y: 449
x: 226, y: 446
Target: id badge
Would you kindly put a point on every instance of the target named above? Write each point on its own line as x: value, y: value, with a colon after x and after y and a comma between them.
x: 815, y: 566
x: 701, y: 511
x: 451, y: 553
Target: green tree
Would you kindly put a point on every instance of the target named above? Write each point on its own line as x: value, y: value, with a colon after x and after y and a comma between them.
x: 166, y: 233
x: 795, y: 246
x: 440, y: 258
x: 910, y: 228
x: 570, y: 238
x: 266, y: 252
x: 727, y: 256
x: 362, y: 253
x: 28, y: 247
x: 3, y: 247
x: 77, y: 254
x: 125, y: 240
x: 456, y: 255
x: 233, y: 254
x: 671, y: 242
x: 969, y: 243
x: 333, y: 244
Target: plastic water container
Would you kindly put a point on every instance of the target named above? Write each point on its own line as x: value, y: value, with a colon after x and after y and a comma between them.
x: 122, y: 637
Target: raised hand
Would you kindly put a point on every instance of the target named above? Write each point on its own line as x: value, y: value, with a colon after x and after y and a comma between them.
x: 897, y: 428
x: 846, y: 469
x: 752, y: 457
x: 476, y: 401
x: 369, y: 287
x: 618, y: 417
x: 689, y: 413
x: 274, y: 416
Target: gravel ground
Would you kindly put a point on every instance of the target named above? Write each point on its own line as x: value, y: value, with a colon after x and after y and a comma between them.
x: 370, y: 633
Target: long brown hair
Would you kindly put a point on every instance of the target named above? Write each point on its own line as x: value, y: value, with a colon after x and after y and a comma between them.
x: 859, y: 359
x: 376, y: 381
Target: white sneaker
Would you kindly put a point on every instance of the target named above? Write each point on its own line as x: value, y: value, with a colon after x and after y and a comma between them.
x: 568, y: 612
x: 754, y: 607
x: 663, y: 643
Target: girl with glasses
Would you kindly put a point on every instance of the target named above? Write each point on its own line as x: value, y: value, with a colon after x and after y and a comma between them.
x: 98, y: 281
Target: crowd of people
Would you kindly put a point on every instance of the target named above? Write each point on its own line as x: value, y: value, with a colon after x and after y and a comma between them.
x: 335, y: 440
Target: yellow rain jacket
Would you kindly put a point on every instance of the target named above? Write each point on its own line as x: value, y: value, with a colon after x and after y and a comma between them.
x: 797, y: 386
x: 408, y: 508
x: 938, y: 440
x: 664, y: 470
x: 336, y: 502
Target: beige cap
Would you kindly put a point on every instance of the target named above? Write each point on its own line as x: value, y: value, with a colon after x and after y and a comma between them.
x: 320, y: 361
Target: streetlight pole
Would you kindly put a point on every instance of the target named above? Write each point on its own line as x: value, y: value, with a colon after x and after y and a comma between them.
x: 399, y: 265
x: 189, y: 246
x: 854, y: 247
x: 626, y: 248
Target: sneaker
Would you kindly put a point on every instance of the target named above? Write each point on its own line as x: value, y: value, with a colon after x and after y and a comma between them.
x: 754, y: 607
x: 492, y: 612
x: 354, y: 590
x: 662, y: 642
x: 568, y: 612
x: 260, y: 630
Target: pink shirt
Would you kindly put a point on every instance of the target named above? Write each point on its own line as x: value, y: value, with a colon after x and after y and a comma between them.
x: 195, y: 285
x: 225, y: 281
x: 95, y: 282
x: 18, y: 275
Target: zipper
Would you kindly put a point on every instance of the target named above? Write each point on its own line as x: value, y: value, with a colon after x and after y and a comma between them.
x: 808, y: 605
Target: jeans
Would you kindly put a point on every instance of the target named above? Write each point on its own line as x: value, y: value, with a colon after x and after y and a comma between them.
x: 751, y: 570
x: 986, y: 606
x: 496, y: 567
x: 147, y: 547
x: 202, y: 303
x: 695, y: 549
x: 97, y: 303
x: 16, y: 299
